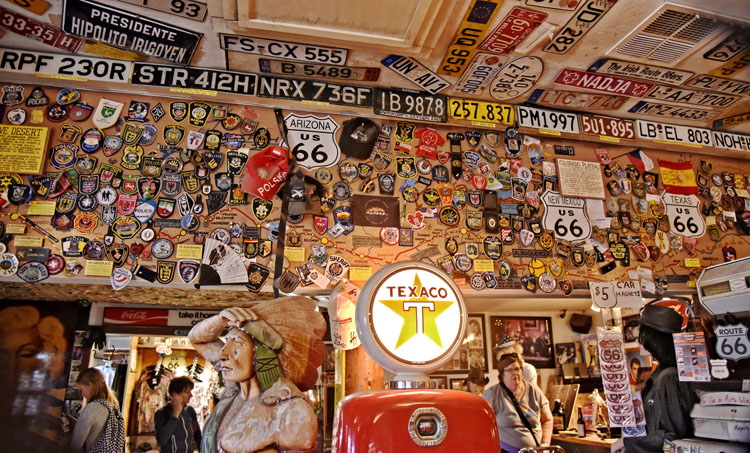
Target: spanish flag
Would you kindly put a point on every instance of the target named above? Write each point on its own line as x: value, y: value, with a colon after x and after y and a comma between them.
x: 678, y: 177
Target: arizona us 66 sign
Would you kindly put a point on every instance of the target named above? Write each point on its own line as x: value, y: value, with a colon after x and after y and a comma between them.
x: 566, y: 216
x: 684, y: 216
x: 311, y: 139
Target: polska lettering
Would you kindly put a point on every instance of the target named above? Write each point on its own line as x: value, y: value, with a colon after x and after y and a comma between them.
x: 272, y: 184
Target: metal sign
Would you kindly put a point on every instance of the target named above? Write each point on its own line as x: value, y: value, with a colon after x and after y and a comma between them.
x: 574, y: 99
x: 486, y: 112
x: 694, y: 97
x: 713, y: 83
x: 123, y: 29
x: 548, y: 120
x: 468, y: 36
x: 726, y: 140
x: 516, y: 78
x: 673, y: 133
x: 312, y: 140
x: 283, y: 49
x: 416, y: 72
x: 618, y: 293
x: 730, y: 47
x: 42, y: 63
x: 732, y: 342
x: 604, y: 83
x: 326, y: 71
x: 684, y: 215
x: 606, y: 127
x: 672, y: 111
x: 566, y: 216
x: 410, y: 104
x: 38, y: 31
x: 314, y: 91
x: 651, y: 73
x: 512, y: 30
x: 584, y: 20
x: 482, y: 70
x: 193, y: 78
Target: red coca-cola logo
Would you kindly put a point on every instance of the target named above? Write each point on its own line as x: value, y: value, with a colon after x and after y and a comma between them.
x: 134, y: 315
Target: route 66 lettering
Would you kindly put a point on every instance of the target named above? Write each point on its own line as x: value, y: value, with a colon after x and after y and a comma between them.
x: 684, y: 216
x: 566, y: 216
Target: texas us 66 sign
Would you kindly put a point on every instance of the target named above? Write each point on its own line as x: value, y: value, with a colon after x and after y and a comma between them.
x: 312, y: 141
x: 566, y: 216
x: 684, y: 216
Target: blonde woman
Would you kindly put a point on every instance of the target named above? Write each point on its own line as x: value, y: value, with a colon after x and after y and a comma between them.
x: 89, y: 433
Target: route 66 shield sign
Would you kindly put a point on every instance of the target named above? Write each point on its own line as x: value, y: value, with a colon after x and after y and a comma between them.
x: 732, y: 342
x: 312, y: 140
x: 566, y: 216
x: 684, y: 215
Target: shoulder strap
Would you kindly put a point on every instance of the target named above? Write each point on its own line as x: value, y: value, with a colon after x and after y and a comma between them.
x: 524, y: 420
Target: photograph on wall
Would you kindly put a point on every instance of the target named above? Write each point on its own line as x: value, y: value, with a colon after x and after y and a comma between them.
x: 534, y: 334
x: 439, y: 382
x: 639, y: 367
x: 630, y: 329
x: 36, y: 341
x: 568, y: 352
x: 473, y: 352
x: 590, y: 349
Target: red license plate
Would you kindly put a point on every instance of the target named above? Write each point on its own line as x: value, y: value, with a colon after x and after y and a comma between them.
x: 513, y: 29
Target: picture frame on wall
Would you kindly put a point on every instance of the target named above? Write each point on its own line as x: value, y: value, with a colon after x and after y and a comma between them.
x: 533, y: 333
x: 457, y: 384
x: 473, y: 350
x: 329, y: 364
x: 568, y: 352
x: 590, y: 350
x: 439, y: 382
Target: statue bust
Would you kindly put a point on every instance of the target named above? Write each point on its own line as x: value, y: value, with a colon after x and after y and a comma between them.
x: 269, y: 356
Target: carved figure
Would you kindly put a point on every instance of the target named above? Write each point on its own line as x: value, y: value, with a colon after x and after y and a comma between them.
x: 269, y: 356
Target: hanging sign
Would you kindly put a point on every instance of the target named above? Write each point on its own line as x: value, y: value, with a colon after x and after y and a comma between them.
x: 416, y: 72
x: 673, y: 134
x: 55, y: 65
x: 619, y: 293
x: 547, y: 120
x: 684, y: 215
x: 38, y: 31
x: 154, y: 317
x: 658, y: 74
x: 193, y: 78
x: 312, y: 140
x: 410, y: 104
x: 691, y: 348
x: 314, y: 91
x: 123, y: 29
x: 566, y: 216
x: 468, y: 36
x: 283, y: 49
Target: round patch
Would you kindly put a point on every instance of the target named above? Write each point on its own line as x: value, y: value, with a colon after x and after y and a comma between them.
x: 716, y: 179
x: 324, y: 176
x: 524, y: 173
x: 389, y: 235
x: 221, y: 235
x: 536, y: 267
x: 8, y: 264
x: 477, y: 282
x: 55, y: 264
x: 94, y: 251
x: 431, y: 197
x: 463, y: 262
x: 424, y: 167
x: 86, y: 202
x: 449, y: 216
x: 504, y: 270
x: 148, y: 234
x: 411, y: 194
x: 547, y: 283
x: 162, y: 248
x: 106, y: 195
x: 16, y: 116
x: 33, y: 272
x: 341, y: 191
x: 348, y: 172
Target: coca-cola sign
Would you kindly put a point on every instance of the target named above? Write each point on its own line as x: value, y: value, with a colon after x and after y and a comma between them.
x: 135, y: 316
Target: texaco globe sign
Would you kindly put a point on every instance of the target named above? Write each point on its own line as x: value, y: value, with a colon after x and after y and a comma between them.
x: 410, y: 317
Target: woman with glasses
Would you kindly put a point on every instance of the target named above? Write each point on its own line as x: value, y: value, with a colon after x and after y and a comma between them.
x: 521, y: 409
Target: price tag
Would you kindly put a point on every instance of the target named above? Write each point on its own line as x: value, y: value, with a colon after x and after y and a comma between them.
x: 547, y: 119
x: 470, y: 110
x: 620, y: 293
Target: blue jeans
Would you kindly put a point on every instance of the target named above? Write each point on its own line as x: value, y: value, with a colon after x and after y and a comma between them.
x: 507, y: 448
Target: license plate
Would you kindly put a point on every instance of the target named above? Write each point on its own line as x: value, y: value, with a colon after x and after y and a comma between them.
x: 605, y: 83
x: 693, y: 97
x: 416, y: 72
x: 468, y: 36
x: 283, y: 49
x: 513, y: 29
x: 574, y: 99
x: 38, y: 31
x: 733, y: 66
x: 672, y: 111
x: 568, y: 5
x: 410, y: 104
x: 673, y: 133
x: 314, y: 91
x: 325, y: 71
x: 482, y: 70
x: 486, y: 112
x: 89, y: 68
x: 658, y: 74
x: 604, y: 126
x: 516, y: 78
x: 547, y: 119
x: 584, y: 20
x: 728, y: 86
x: 193, y: 78
x: 189, y: 9
x: 727, y: 49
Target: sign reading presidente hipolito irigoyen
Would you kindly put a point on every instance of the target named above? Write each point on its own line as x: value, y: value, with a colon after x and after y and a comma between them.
x: 126, y: 30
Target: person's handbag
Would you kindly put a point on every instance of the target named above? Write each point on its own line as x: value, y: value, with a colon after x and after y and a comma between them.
x: 524, y: 420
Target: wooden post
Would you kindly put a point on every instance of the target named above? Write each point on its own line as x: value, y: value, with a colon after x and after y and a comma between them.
x: 362, y: 372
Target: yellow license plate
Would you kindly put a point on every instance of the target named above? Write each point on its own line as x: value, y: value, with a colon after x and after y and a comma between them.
x: 487, y: 112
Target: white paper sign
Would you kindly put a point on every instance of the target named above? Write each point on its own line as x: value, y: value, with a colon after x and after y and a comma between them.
x: 625, y: 293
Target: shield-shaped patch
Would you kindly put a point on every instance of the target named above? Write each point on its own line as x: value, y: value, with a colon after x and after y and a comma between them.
x: 109, y: 214
x: 188, y: 270
x: 171, y: 184
x: 88, y: 184
x: 473, y: 137
x: 148, y: 187
x: 165, y: 207
x: 190, y: 181
x: 131, y: 134
x: 185, y: 204
x: 214, y: 159
x: 236, y: 161
x: 66, y: 202
x: 493, y: 248
x: 178, y: 110
x: 165, y: 271
x: 118, y: 254
x: 151, y: 166
x: 173, y: 134
x: 126, y: 204
x: 321, y: 223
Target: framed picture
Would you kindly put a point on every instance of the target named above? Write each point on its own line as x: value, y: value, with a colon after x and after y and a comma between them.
x: 568, y: 352
x: 590, y: 349
x: 630, y: 328
x: 457, y: 384
x: 329, y: 364
x: 636, y: 362
x: 439, y: 382
x: 534, y: 334
x: 473, y: 350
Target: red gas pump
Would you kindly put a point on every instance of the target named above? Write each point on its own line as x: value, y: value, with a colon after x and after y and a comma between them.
x: 411, y: 319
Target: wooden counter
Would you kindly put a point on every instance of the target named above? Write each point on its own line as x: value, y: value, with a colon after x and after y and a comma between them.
x: 588, y: 444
